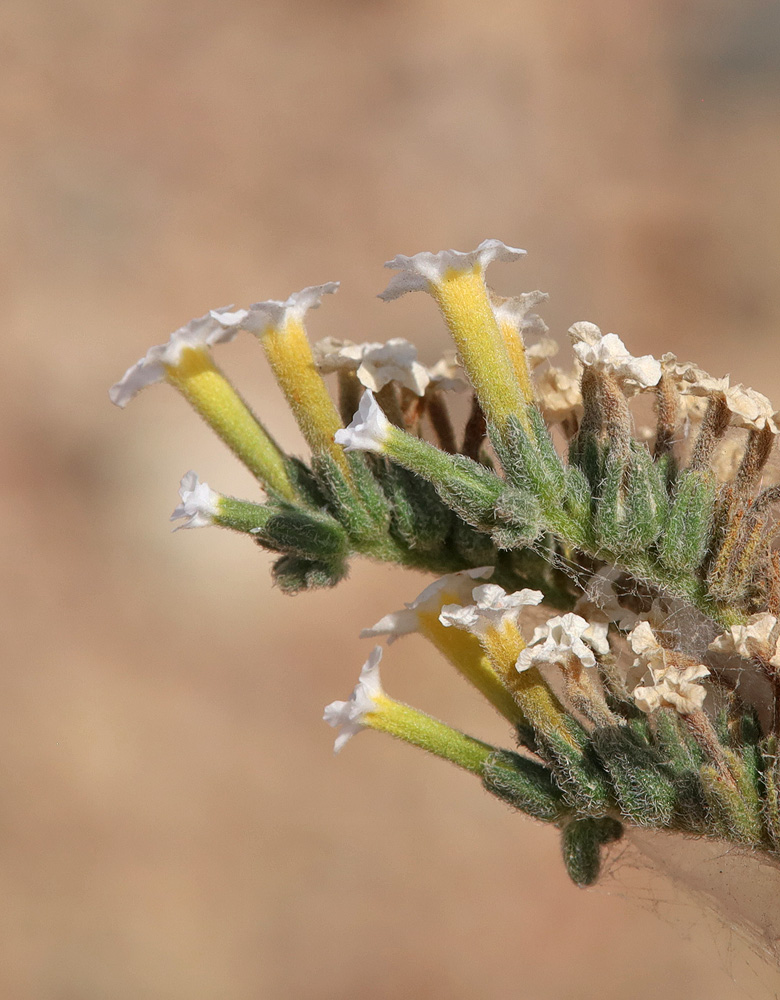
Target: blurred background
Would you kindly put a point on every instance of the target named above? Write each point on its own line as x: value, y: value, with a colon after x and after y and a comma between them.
x: 172, y: 822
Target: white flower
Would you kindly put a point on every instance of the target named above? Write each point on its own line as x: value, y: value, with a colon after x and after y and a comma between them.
x: 758, y: 638
x: 494, y: 607
x: 445, y: 375
x: 690, y: 379
x: 750, y: 409
x: 674, y: 684
x: 375, y: 364
x: 199, y: 503
x: 562, y: 639
x: 516, y: 312
x: 542, y: 350
x: 675, y: 688
x: 419, y: 272
x: 200, y: 333
x: 395, y: 361
x: 348, y: 716
x: 453, y: 586
x: 275, y: 314
x: 559, y: 393
x: 332, y: 355
x: 369, y: 429
x: 608, y: 353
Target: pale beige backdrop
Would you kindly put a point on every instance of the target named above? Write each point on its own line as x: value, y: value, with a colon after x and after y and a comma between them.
x: 172, y: 822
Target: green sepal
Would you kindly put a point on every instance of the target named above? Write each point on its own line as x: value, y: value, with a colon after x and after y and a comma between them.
x: 680, y: 752
x: 475, y: 547
x: 519, y: 517
x: 359, y: 505
x: 305, y: 483
x: 578, y: 501
x: 577, y: 773
x: 294, y: 574
x: 683, y: 757
x: 685, y: 538
x: 524, y: 784
x: 736, y: 810
x: 418, y: 517
x: 587, y: 454
x: 465, y: 486
x: 304, y: 533
x: 647, y: 504
x: 641, y: 782
x: 771, y: 784
x: 530, y: 463
x: 581, y: 843
x: 609, y: 518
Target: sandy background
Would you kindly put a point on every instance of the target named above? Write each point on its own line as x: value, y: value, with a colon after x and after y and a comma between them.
x: 172, y: 822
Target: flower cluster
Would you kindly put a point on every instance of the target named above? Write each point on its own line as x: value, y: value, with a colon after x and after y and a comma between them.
x: 655, y: 540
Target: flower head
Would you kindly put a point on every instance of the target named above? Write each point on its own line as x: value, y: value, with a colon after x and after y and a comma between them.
x: 759, y: 638
x: 494, y: 607
x: 609, y: 354
x: 690, y: 379
x: 516, y: 312
x: 348, y: 716
x: 445, y: 374
x: 419, y: 272
x: 199, y: 503
x: 198, y: 334
x: 559, y: 393
x: 749, y: 409
x: 429, y: 601
x: 275, y: 314
x: 333, y: 355
x: 395, y: 361
x: 369, y: 429
x: 562, y: 639
x: 674, y: 677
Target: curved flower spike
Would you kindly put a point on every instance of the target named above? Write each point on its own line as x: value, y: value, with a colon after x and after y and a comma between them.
x: 563, y: 638
x: 349, y: 716
x: 609, y: 354
x: 494, y: 608
x: 369, y: 429
x: 203, y: 332
x: 199, y: 503
x: 420, y: 271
